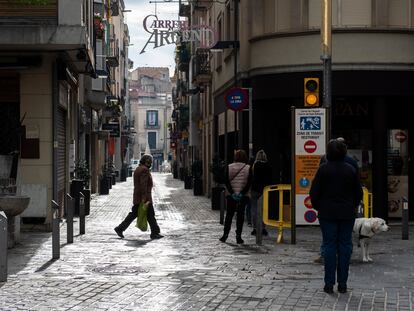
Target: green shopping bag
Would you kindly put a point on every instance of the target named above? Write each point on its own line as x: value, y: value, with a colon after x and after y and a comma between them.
x: 142, y: 217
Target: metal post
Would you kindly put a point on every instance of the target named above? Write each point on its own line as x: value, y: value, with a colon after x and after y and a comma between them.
x: 222, y: 207
x: 81, y: 213
x: 293, y: 178
x: 259, y: 221
x: 55, y: 231
x: 405, y: 219
x: 70, y: 210
x: 326, y: 40
x: 250, y: 123
x: 226, y: 135
x: 3, y: 247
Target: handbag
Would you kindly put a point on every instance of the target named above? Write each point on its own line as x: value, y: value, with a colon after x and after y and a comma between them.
x: 142, y: 217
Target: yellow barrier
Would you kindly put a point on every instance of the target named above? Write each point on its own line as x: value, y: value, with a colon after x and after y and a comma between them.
x: 283, y: 220
x: 367, y: 203
x: 284, y: 215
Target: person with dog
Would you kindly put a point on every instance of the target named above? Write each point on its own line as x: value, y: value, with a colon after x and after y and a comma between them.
x: 336, y: 193
x: 238, y: 181
x: 142, y: 194
x: 261, y: 177
x: 349, y: 160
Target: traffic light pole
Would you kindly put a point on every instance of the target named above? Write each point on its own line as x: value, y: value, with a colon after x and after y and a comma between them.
x: 326, y: 40
x: 327, y: 89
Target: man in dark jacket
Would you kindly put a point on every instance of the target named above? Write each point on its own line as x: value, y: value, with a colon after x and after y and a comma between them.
x: 142, y: 194
x: 335, y: 193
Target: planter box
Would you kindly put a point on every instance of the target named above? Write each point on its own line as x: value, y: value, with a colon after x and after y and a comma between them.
x: 198, y: 186
x: 188, y: 182
x: 103, y: 186
x: 215, y: 197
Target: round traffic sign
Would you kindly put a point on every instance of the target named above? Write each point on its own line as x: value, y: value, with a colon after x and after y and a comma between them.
x: 308, y: 202
x: 400, y: 136
x: 310, y: 216
x: 237, y: 98
x: 310, y: 146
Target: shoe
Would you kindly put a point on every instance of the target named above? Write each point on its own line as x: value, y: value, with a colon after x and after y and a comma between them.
x: 119, y: 232
x: 239, y: 240
x: 264, y: 232
x: 328, y: 289
x: 249, y: 224
x: 223, y: 238
x: 254, y: 232
x: 156, y: 236
x: 342, y: 288
x: 318, y: 260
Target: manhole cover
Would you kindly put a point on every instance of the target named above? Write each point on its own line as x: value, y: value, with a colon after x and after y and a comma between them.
x: 114, y: 269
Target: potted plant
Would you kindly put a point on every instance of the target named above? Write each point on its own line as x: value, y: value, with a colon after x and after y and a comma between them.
x: 98, y: 26
x: 82, y: 173
x: 188, y: 179
x: 197, y: 172
x: 218, y: 170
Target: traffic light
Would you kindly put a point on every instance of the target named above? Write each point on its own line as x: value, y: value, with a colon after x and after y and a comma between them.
x: 311, y: 94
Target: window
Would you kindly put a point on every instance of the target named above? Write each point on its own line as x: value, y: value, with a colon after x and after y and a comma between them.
x: 152, y: 118
x: 152, y: 140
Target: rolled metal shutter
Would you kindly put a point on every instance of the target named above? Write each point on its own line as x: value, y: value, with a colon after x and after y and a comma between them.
x: 61, y: 155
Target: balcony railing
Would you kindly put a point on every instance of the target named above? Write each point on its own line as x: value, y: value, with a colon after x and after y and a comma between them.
x: 17, y: 12
x: 151, y: 127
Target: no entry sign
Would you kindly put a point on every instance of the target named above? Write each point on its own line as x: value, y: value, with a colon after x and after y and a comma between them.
x: 310, y: 146
x: 237, y: 98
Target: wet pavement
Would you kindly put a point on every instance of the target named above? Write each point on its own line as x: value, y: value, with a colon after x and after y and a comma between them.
x: 189, y: 269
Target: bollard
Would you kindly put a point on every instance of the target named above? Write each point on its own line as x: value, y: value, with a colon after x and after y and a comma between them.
x: 405, y: 219
x: 259, y: 221
x: 81, y: 213
x: 3, y: 247
x: 222, y: 206
x: 70, y: 210
x: 55, y: 231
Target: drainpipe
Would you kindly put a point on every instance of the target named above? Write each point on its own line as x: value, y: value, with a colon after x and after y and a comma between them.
x: 55, y: 101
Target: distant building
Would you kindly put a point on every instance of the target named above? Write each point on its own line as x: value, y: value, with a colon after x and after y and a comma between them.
x: 151, y: 107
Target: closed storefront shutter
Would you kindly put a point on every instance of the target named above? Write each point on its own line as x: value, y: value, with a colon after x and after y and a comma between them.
x: 61, y: 155
x: 399, y: 13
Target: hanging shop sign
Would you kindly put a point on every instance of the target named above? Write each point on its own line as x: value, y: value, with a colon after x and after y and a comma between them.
x: 310, y: 142
x: 113, y: 128
x: 164, y: 32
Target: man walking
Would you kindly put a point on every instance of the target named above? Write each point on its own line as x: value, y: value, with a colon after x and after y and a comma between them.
x: 142, y: 194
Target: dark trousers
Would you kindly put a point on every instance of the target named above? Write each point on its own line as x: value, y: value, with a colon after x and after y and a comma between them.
x: 155, y: 229
x: 337, y: 244
x: 233, y: 207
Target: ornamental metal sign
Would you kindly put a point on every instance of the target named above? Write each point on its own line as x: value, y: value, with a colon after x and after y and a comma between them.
x: 164, y: 32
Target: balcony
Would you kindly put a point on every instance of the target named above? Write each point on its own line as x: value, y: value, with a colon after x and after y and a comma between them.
x: 18, y: 13
x: 151, y: 127
x: 112, y: 49
x: 202, y: 68
x: 183, y: 56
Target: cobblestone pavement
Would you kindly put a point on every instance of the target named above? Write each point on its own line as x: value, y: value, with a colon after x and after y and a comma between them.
x: 189, y: 269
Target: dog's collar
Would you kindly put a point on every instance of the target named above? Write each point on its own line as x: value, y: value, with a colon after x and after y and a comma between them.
x: 361, y: 236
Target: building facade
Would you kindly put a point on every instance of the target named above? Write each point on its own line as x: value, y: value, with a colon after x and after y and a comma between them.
x: 278, y: 45
x: 151, y: 104
x: 57, y: 61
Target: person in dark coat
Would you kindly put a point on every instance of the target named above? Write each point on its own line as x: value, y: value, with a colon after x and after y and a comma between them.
x: 142, y: 194
x: 336, y: 193
x: 349, y: 160
x: 261, y: 177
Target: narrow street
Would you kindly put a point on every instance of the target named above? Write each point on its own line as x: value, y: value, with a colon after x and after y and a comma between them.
x: 189, y: 269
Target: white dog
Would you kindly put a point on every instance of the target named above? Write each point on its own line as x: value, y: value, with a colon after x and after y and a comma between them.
x: 366, y: 228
